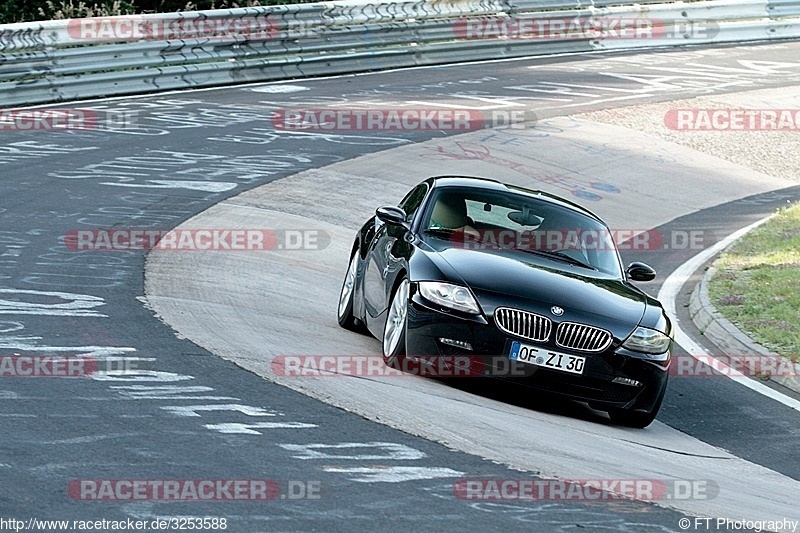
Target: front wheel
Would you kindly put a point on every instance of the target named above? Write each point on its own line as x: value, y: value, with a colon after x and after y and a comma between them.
x: 345, y: 313
x: 394, y: 333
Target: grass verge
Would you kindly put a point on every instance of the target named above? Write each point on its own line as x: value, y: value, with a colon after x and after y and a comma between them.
x: 757, y: 283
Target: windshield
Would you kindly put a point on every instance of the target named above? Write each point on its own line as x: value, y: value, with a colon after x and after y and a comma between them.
x: 498, y: 220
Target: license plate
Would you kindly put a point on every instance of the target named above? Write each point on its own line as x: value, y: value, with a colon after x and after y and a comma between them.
x: 533, y: 355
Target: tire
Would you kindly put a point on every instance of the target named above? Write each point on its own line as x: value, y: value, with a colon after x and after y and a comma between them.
x: 394, y: 333
x: 636, y: 419
x: 346, y: 296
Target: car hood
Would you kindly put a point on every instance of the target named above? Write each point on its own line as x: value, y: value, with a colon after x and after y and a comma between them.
x: 519, y: 279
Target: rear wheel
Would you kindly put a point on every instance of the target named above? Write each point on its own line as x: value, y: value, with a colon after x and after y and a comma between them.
x: 394, y: 333
x: 345, y: 314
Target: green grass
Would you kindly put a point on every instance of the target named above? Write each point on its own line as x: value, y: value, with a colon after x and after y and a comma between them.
x: 757, y: 283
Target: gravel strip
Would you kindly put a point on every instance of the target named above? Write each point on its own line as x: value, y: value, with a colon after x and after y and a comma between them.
x: 771, y: 152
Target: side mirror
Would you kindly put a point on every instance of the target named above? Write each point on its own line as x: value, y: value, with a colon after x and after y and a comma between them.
x: 392, y: 215
x: 640, y: 272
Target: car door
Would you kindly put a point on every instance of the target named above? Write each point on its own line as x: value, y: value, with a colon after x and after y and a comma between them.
x: 381, y: 262
x: 377, y: 262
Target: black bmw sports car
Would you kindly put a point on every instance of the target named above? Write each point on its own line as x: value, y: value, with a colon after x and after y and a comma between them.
x: 526, y: 283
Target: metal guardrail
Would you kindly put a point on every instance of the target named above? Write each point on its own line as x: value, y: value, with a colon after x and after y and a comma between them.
x: 783, y: 8
x: 64, y: 60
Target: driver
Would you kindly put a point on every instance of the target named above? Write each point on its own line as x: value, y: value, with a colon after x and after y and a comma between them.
x: 450, y: 212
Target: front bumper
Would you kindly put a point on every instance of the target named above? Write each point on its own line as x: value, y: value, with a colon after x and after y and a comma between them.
x: 434, y: 335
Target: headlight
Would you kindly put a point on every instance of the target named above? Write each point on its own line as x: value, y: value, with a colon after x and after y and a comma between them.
x: 449, y: 295
x: 648, y: 341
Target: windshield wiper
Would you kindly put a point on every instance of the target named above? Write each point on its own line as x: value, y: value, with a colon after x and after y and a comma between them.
x: 559, y: 256
x: 441, y: 232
